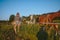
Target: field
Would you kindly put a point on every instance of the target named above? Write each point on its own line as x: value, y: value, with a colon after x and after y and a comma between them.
x: 27, y: 32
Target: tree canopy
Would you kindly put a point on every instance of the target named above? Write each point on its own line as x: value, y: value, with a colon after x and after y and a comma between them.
x: 11, y: 18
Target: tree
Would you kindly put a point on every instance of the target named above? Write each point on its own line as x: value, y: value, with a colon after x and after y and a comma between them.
x: 11, y: 18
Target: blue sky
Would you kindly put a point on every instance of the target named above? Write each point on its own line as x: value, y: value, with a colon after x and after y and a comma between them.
x: 27, y: 7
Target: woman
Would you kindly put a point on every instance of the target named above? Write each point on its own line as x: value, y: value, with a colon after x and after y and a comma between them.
x: 17, y: 22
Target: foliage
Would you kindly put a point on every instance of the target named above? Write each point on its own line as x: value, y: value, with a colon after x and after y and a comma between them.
x: 27, y: 32
x: 11, y: 18
x: 6, y: 32
x: 56, y: 21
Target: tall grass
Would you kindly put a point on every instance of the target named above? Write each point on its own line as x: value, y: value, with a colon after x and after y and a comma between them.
x: 27, y: 31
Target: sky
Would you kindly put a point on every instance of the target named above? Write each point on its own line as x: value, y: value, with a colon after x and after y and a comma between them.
x: 27, y: 7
